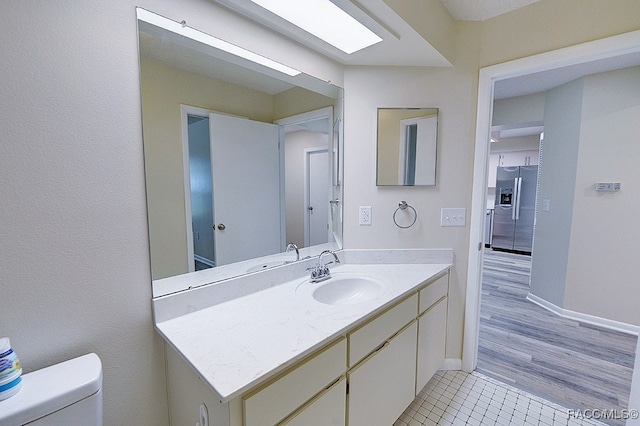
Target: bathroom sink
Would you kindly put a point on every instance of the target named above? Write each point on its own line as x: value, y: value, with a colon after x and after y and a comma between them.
x: 346, y: 290
x: 265, y: 265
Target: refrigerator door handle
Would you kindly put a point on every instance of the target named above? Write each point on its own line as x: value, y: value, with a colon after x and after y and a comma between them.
x: 515, y: 199
x: 517, y: 209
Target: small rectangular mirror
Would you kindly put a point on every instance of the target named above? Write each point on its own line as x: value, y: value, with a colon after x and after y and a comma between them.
x: 407, y: 141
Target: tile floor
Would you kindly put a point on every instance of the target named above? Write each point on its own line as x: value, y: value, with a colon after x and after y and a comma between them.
x: 459, y: 398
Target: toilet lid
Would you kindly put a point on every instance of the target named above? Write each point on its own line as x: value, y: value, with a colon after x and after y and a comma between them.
x: 52, y: 388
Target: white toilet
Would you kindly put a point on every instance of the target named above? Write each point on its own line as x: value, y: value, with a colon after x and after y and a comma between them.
x: 65, y: 394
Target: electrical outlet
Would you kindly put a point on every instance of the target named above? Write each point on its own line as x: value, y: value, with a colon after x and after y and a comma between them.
x: 453, y: 217
x: 365, y: 215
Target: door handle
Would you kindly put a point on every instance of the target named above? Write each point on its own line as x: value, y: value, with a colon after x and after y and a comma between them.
x: 221, y: 227
x: 518, y: 199
x: 310, y: 208
x: 514, y: 199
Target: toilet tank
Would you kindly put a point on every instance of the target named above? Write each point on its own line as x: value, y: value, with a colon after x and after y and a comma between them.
x: 65, y: 394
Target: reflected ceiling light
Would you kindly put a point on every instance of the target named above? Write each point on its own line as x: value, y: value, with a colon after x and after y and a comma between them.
x: 324, y: 20
x: 181, y: 28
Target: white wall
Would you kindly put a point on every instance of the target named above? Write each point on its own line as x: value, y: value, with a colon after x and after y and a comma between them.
x: 367, y: 89
x: 557, y: 182
x: 74, y: 260
x: 603, y: 252
x: 583, y: 246
x: 512, y: 112
x: 74, y: 263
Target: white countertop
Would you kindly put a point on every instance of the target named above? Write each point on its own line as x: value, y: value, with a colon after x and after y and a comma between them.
x: 240, y: 343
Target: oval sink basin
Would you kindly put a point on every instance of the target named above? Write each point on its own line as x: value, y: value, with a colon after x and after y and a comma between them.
x: 347, y: 290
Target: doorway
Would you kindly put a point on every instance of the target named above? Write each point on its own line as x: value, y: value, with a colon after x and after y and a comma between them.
x: 201, y: 192
x: 316, y: 196
x: 607, y: 54
x: 308, y: 158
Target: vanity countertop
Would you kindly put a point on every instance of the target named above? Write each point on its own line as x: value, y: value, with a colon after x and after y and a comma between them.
x: 238, y: 344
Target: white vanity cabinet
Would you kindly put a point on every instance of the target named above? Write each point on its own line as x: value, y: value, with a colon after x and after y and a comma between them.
x: 272, y: 403
x: 383, y: 385
x: 367, y: 374
x: 432, y: 330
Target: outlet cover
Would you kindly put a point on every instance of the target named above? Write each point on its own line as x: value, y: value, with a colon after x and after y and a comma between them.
x: 453, y: 217
x: 365, y: 215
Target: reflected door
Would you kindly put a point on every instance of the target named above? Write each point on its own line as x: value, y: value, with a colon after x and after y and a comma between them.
x: 317, y: 183
x: 245, y: 172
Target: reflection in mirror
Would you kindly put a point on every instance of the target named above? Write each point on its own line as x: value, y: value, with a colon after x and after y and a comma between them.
x: 239, y: 162
x: 407, y: 141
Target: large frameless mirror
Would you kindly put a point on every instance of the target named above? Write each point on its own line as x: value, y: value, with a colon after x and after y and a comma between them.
x: 406, y: 146
x: 242, y: 162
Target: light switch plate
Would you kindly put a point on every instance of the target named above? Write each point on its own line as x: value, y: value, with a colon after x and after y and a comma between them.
x: 453, y: 217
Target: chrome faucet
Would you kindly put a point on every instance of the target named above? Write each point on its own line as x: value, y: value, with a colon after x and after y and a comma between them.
x: 320, y: 272
x: 290, y: 247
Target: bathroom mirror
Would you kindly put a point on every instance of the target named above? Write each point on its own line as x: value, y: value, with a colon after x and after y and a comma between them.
x: 407, y: 139
x: 240, y: 161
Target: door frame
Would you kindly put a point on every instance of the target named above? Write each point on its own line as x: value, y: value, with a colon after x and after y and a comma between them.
x: 606, y: 48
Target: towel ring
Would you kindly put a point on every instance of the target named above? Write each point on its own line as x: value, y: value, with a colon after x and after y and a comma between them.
x: 403, y: 206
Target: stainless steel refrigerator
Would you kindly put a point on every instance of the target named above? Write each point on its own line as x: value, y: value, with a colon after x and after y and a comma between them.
x: 514, y: 209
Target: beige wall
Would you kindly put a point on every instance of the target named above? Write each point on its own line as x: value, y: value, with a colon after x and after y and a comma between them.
x: 553, y: 24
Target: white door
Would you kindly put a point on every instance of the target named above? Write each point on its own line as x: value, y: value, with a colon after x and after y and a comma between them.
x: 245, y: 171
x: 317, y: 184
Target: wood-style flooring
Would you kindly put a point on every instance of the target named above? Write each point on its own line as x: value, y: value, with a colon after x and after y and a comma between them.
x: 577, y: 365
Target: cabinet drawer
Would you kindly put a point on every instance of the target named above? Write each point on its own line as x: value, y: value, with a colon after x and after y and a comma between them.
x: 371, y: 335
x: 434, y: 292
x: 327, y: 409
x: 274, y: 402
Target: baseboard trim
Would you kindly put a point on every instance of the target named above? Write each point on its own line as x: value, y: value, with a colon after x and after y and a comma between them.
x: 589, y: 319
x: 451, y: 364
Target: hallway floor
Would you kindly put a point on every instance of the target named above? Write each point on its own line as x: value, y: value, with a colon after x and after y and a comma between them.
x: 575, y: 364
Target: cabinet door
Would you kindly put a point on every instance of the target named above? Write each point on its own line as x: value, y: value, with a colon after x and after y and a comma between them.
x: 329, y: 409
x: 383, y: 385
x: 432, y: 331
x: 272, y: 403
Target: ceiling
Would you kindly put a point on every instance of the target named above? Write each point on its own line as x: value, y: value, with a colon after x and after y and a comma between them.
x: 402, y: 46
